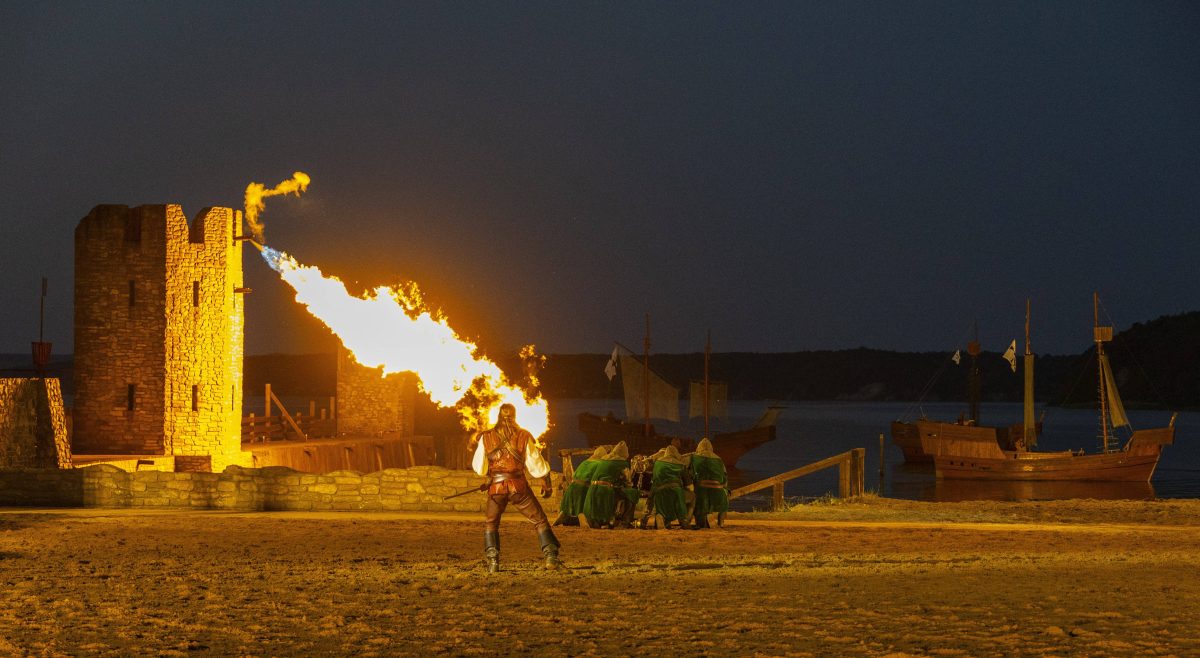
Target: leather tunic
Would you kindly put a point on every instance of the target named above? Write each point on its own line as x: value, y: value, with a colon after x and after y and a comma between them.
x: 506, y: 462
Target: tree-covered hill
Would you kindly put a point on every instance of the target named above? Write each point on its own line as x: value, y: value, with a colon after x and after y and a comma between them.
x: 1156, y: 363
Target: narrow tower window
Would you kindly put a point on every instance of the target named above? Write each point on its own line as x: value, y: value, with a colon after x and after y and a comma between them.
x: 195, y: 397
x: 132, y: 293
x: 196, y: 294
x: 130, y: 394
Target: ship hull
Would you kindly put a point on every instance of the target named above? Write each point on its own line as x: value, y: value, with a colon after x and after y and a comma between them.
x: 729, y: 446
x: 1111, y: 467
x: 906, y: 437
x: 921, y: 440
x: 1135, y: 463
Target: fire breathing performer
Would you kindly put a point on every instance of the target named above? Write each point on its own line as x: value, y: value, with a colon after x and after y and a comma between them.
x: 506, y: 454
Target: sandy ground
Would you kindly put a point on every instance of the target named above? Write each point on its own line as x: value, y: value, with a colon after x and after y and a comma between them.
x: 875, y: 579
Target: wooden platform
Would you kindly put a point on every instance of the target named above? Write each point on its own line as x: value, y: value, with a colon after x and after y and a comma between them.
x: 365, y: 454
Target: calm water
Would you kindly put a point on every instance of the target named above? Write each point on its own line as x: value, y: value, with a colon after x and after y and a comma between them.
x: 809, y: 431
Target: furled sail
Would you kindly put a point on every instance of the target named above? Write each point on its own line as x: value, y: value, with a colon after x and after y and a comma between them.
x: 718, y: 400
x: 664, y: 398
x: 1115, y: 408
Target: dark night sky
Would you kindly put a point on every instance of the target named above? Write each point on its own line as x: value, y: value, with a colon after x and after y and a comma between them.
x: 793, y: 176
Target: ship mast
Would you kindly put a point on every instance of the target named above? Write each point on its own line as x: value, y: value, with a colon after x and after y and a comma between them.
x: 646, y: 376
x: 1030, y: 425
x: 973, y: 386
x: 1101, y: 334
x: 707, y: 352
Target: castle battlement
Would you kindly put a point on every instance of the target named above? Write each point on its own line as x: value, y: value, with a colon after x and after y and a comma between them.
x: 150, y: 225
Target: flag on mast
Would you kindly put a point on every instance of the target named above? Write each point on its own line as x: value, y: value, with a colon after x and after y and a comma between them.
x: 610, y: 368
x: 1011, y: 355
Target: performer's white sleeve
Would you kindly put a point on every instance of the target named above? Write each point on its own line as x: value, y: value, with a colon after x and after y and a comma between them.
x: 478, y: 463
x: 535, y: 464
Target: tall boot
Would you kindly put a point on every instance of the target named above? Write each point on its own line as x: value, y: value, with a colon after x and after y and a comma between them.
x: 549, y: 548
x: 491, y: 550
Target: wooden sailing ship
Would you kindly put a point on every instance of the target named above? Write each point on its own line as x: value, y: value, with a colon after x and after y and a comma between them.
x: 960, y: 458
x: 648, y: 395
x: 912, y: 437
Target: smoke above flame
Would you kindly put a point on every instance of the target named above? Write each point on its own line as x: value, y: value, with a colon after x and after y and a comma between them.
x: 391, y: 328
x: 256, y: 192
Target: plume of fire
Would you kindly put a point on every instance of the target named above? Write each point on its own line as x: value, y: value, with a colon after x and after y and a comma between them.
x: 256, y: 192
x: 390, y: 327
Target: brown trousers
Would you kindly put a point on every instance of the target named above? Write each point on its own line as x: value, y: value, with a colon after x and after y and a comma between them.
x: 524, y: 501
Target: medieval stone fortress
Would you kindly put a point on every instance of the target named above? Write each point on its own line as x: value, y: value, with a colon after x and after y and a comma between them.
x: 157, y: 417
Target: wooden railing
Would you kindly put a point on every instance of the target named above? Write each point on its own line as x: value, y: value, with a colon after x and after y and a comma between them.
x: 568, y: 469
x: 285, y: 426
x: 261, y: 429
x: 851, y: 465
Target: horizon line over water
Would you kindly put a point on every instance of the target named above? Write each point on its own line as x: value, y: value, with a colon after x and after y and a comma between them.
x: 811, y: 431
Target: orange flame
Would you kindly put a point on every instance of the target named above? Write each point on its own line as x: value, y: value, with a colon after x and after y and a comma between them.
x: 256, y: 192
x: 390, y: 327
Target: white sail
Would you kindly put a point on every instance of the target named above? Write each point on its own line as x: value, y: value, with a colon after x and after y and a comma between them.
x: 664, y: 398
x: 1116, y: 410
x: 718, y: 400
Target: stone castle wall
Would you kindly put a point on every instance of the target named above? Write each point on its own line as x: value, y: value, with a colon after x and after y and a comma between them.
x: 371, y: 404
x: 158, y: 334
x: 418, y: 489
x: 33, y: 427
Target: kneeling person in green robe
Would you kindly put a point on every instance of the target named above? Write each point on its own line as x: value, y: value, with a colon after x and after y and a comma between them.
x: 571, y: 508
x: 600, y: 503
x: 712, y: 485
x: 626, y: 494
x: 670, y: 475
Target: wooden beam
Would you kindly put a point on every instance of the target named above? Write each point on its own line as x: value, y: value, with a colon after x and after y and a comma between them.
x: 789, y: 475
x: 282, y: 410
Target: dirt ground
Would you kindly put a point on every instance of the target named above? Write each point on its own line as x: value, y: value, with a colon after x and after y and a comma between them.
x: 878, y: 578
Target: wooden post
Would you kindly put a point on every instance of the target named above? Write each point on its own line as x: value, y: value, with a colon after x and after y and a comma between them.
x: 568, y: 467
x: 379, y: 457
x: 844, y: 477
x: 347, y: 452
x: 881, y: 463
x: 858, y: 461
x: 411, y: 460
x: 312, y: 408
x: 267, y: 397
x: 777, y: 496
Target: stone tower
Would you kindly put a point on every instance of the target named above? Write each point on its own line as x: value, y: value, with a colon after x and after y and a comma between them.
x: 159, y: 325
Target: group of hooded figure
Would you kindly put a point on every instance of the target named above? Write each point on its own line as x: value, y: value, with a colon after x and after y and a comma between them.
x: 677, y: 488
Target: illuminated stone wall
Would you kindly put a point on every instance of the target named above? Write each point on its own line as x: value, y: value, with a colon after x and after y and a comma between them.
x: 419, y: 489
x: 369, y: 403
x: 33, y: 428
x: 158, y: 335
